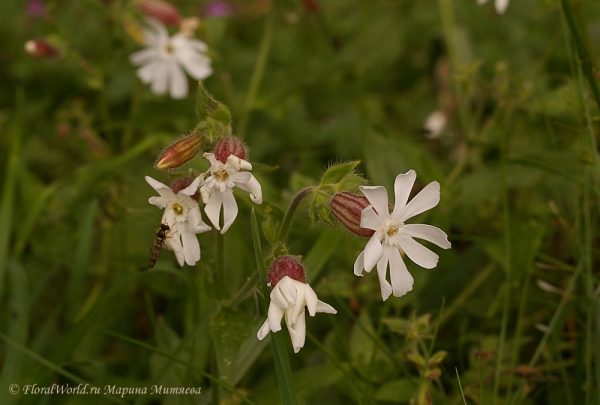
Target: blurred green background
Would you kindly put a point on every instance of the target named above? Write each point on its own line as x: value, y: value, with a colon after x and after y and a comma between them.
x: 513, y: 305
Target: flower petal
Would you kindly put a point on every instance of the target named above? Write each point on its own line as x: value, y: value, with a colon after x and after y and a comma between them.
x: 284, y: 293
x: 196, y: 224
x: 230, y: 209
x: 298, y: 332
x: 402, y: 280
x: 178, y: 86
x: 162, y: 189
x: 427, y: 198
x: 144, y: 57
x: 501, y: 6
x: 247, y: 182
x: 417, y: 252
x: 402, y: 188
x: 429, y: 233
x: 311, y: 300
x: 359, y: 264
x: 213, y: 208
x: 161, y: 77
x: 373, y: 253
x: 386, y: 288
x: 264, y: 330
x: 325, y: 308
x: 160, y: 202
x: 193, y: 187
x: 369, y: 219
x: 191, y: 247
x: 274, y: 317
x: 378, y: 197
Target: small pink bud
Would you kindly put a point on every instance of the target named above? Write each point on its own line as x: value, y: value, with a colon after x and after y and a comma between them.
x: 230, y: 146
x: 286, y: 266
x: 347, y: 208
x: 161, y: 10
x: 184, y: 182
x: 41, y: 49
x: 179, y: 152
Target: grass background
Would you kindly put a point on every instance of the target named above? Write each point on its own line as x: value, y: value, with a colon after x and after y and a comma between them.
x: 352, y: 80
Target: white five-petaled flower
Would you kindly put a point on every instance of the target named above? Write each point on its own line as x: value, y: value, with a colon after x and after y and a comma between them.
x: 162, y: 61
x: 182, y: 214
x: 289, y: 297
x: 217, y: 189
x: 392, y: 236
x: 500, y: 5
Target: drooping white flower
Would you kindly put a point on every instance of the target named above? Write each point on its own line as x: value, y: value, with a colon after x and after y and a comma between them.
x: 500, y: 5
x: 217, y: 189
x: 289, y: 297
x: 182, y: 214
x: 392, y: 236
x: 163, y: 60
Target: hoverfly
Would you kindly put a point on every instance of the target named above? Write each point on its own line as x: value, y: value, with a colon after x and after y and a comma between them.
x: 161, y: 236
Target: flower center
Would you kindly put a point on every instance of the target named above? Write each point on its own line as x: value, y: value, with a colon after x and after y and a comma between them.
x: 177, y: 208
x: 392, y: 230
x: 221, y: 175
x: 169, y: 48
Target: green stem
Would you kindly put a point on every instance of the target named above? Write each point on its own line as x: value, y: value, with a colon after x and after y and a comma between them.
x: 289, y: 215
x: 257, y: 74
x: 586, y: 64
x: 222, y: 280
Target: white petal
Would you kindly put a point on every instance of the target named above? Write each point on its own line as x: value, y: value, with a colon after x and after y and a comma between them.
x: 481, y: 1
x: 213, y: 208
x: 310, y: 297
x: 144, y: 57
x: 162, y: 189
x: 428, y: 233
x: 247, y: 182
x: 160, y: 81
x: 148, y: 72
x: 402, y: 187
x: 402, y: 280
x: 427, y: 198
x: 237, y: 163
x: 501, y: 6
x: 160, y: 202
x: 178, y: 86
x: 325, y: 308
x: 417, y: 252
x: 373, y: 253
x: 191, y: 247
x: 369, y: 219
x: 193, y: 187
x: 384, y: 285
x: 196, y: 224
x: 378, y: 198
x: 274, y: 317
x: 197, y: 66
x: 298, y: 333
x: 156, y: 33
x: 264, y: 330
x: 230, y: 209
x: 284, y: 293
x: 359, y: 264
x: 297, y: 310
x: 213, y: 161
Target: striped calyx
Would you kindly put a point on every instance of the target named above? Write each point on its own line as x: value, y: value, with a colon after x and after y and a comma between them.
x: 347, y: 208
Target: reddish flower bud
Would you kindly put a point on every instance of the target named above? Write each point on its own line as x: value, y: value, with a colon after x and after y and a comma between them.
x: 161, y: 10
x: 182, y: 183
x: 180, y: 152
x: 286, y: 266
x: 347, y: 208
x: 41, y: 49
x: 230, y: 146
x: 311, y: 5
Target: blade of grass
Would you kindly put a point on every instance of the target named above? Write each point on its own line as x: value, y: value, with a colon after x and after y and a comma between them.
x: 282, y: 362
x: 460, y: 386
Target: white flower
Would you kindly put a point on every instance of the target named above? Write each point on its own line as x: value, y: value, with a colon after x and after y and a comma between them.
x: 500, y: 5
x: 162, y: 61
x: 182, y: 214
x: 392, y: 236
x: 289, y: 297
x: 217, y: 189
x: 434, y: 124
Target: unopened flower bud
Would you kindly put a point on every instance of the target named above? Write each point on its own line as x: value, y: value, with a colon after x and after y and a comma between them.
x: 230, y: 146
x: 41, y: 49
x: 180, y: 152
x: 161, y: 10
x: 218, y: 9
x: 286, y: 266
x: 347, y: 208
x: 184, y: 182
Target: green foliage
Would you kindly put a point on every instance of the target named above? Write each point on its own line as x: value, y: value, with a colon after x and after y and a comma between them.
x: 328, y: 95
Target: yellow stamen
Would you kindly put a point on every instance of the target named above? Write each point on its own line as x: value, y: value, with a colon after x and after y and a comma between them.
x: 178, y: 209
x: 221, y: 175
x: 392, y: 230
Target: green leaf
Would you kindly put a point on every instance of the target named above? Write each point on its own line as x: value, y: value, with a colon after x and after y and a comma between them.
x: 337, y: 173
x: 208, y: 107
x: 397, y: 325
x: 229, y: 328
x: 283, y: 367
x: 398, y: 391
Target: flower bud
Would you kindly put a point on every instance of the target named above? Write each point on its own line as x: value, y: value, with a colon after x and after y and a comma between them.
x: 41, y: 49
x: 230, y: 146
x: 286, y: 266
x: 161, y: 10
x: 184, y: 182
x: 347, y: 208
x: 180, y: 152
x: 218, y: 9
